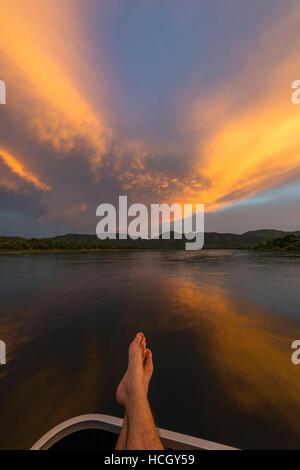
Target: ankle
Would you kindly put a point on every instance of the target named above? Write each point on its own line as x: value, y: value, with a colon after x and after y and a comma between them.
x: 136, y: 398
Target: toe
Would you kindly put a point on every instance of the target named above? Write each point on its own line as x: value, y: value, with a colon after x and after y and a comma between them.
x: 137, y: 340
x: 136, y: 347
x: 139, y: 337
x: 148, y: 363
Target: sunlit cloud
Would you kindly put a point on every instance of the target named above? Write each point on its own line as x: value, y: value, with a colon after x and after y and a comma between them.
x: 253, y: 139
x: 23, y: 174
x: 237, y: 141
x: 224, y: 143
x: 43, y: 90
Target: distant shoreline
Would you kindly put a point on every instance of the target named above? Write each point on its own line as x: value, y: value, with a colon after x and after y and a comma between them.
x: 262, y: 240
x: 99, y: 250
x: 138, y: 250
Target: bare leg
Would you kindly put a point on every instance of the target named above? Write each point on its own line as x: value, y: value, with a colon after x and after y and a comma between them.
x: 148, y: 371
x: 122, y: 440
x: 132, y: 394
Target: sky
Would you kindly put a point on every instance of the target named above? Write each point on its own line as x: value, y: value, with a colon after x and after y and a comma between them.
x: 165, y: 101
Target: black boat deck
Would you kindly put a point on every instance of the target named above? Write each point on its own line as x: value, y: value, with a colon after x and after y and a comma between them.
x: 87, y: 439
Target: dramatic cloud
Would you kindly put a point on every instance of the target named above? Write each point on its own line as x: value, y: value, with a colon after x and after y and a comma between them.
x: 253, y: 139
x: 236, y: 141
x: 37, y: 55
x: 18, y: 169
x: 167, y: 127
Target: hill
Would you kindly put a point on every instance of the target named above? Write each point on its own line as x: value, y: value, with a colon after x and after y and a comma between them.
x: 287, y: 243
x: 75, y: 242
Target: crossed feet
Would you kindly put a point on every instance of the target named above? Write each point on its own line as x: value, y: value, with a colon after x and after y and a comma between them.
x: 140, y: 368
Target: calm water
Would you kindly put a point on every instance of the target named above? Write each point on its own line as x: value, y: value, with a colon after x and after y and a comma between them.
x: 220, y: 325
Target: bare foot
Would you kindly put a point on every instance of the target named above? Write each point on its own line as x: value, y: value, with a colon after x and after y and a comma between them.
x: 139, y: 371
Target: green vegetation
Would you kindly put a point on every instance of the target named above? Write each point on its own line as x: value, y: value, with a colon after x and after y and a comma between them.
x: 260, y: 239
x: 56, y: 244
x: 288, y: 243
x: 214, y: 240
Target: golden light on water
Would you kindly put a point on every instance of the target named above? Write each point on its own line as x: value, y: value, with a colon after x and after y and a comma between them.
x: 248, y: 348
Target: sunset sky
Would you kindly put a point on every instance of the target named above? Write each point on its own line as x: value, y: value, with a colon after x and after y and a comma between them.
x: 184, y: 101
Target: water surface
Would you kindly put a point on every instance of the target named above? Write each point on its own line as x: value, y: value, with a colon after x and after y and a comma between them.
x: 220, y: 325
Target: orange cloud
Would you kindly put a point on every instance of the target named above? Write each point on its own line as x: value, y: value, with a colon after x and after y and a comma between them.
x: 254, y: 140
x: 18, y: 169
x: 42, y: 87
x: 245, y: 135
x: 241, y: 139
